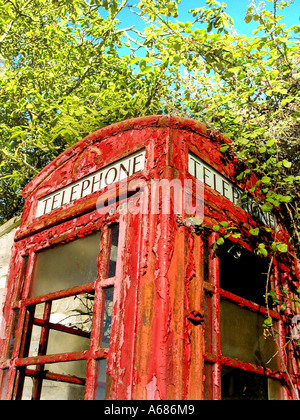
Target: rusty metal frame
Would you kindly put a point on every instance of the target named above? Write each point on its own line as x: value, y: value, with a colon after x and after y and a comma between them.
x: 213, y: 356
x: 18, y: 366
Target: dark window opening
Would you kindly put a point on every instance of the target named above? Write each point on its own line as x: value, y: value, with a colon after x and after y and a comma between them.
x: 235, y: 284
x: 243, y: 273
x: 237, y: 384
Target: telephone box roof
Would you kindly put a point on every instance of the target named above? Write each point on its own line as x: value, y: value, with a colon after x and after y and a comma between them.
x: 166, y: 145
x: 139, y: 123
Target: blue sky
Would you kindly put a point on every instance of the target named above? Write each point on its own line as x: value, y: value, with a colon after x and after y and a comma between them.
x: 235, y: 8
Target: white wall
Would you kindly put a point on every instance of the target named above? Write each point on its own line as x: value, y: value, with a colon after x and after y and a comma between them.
x: 7, y: 234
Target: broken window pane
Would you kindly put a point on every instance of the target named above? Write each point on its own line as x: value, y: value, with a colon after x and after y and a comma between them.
x: 74, y: 311
x: 70, y: 324
x: 59, y: 381
x: 66, y: 266
x: 242, y: 337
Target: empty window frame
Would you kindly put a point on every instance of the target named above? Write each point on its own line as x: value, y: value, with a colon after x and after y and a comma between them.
x: 240, y: 363
x: 61, y: 330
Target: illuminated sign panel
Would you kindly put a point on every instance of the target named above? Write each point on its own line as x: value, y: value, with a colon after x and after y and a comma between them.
x: 96, y: 181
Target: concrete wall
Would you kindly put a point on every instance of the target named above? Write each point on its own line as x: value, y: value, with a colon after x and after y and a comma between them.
x: 7, y: 234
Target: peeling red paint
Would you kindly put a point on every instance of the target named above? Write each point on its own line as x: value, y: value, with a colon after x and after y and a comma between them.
x: 157, y: 348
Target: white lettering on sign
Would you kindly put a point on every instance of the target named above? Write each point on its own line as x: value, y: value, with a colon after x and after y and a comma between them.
x: 227, y: 189
x: 96, y: 181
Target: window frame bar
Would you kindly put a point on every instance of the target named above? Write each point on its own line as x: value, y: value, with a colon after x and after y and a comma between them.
x: 216, y: 358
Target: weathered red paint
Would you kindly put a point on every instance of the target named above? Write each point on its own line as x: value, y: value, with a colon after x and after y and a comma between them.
x: 157, y: 341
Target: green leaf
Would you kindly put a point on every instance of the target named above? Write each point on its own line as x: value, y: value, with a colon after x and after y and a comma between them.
x: 267, y: 207
x: 262, y: 250
x: 282, y: 248
x: 224, y: 148
x: 254, y: 232
x: 268, y: 322
x: 262, y: 149
x: 224, y: 224
x: 220, y: 241
x: 266, y: 180
x: 287, y: 164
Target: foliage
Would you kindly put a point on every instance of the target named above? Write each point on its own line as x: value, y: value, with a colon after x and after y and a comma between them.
x: 65, y: 77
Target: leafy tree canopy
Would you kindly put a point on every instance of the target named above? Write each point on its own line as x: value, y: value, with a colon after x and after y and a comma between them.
x: 70, y: 67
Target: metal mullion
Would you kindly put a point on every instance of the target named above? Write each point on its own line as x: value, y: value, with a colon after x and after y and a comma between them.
x: 215, y: 277
x: 96, y: 331
x: 37, y: 387
x: 57, y: 377
x: 84, y: 288
x: 22, y: 313
x: 245, y: 303
x: 102, y: 282
x: 20, y: 330
x: 282, y: 343
x: 53, y: 358
x: 62, y: 328
x: 24, y: 349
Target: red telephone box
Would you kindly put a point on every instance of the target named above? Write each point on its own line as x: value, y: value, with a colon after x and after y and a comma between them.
x: 118, y: 290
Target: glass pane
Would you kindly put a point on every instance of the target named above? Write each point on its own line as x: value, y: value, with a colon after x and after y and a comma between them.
x: 3, y: 383
x: 76, y: 368
x: 107, y: 316
x: 242, y: 337
x: 65, y: 381
x: 100, y: 392
x: 27, y: 388
x: 62, y: 342
x: 275, y: 389
x: 66, y: 266
x: 243, y: 273
x: 54, y: 390
x: 113, y: 251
